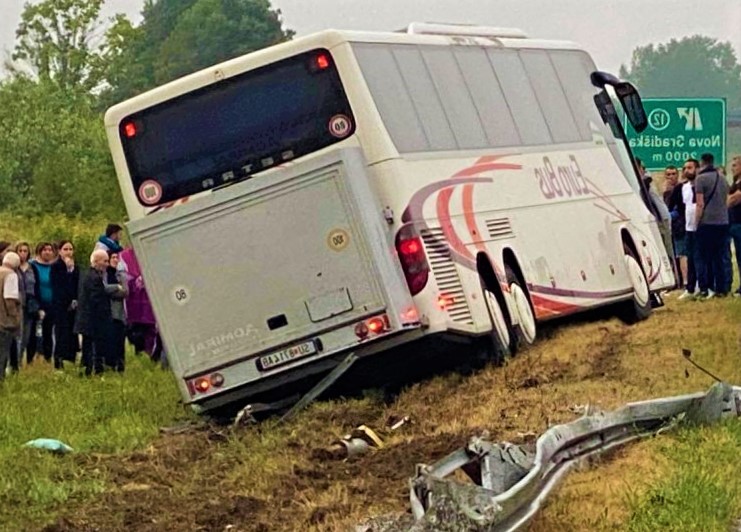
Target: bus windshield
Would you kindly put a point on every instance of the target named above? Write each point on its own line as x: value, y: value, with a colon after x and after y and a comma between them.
x: 231, y: 129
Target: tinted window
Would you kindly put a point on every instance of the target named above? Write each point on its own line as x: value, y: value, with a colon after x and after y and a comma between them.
x: 550, y: 95
x: 464, y: 97
x: 425, y: 98
x: 391, y: 97
x: 520, y: 96
x: 573, y: 68
x: 455, y: 97
x: 492, y: 108
x: 233, y: 128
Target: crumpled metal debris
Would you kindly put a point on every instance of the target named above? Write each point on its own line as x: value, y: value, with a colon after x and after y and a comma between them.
x: 359, y: 441
x: 510, y: 483
x: 362, y: 439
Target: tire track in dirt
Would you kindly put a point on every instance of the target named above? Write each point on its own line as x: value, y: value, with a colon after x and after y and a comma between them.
x: 200, y: 480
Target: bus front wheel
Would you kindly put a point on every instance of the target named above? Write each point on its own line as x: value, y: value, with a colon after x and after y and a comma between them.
x: 638, y: 308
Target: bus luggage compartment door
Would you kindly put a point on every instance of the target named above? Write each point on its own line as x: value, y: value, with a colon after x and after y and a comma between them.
x: 269, y: 263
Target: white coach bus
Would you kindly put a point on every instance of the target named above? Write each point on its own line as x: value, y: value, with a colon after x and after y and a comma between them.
x: 354, y: 192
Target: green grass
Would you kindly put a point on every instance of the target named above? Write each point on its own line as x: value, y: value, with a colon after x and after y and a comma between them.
x: 703, y: 488
x: 109, y: 414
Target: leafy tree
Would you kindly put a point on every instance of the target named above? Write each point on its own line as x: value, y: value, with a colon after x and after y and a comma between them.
x: 212, y: 31
x: 54, y: 42
x: 126, y: 73
x: 694, y: 66
x: 54, y: 157
x: 177, y: 37
x: 130, y: 52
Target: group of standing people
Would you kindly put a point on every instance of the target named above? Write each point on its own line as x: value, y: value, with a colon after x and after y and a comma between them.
x: 47, y: 303
x: 705, y: 218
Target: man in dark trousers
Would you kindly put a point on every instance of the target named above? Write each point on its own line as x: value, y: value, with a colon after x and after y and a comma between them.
x: 712, y: 229
x: 93, y: 319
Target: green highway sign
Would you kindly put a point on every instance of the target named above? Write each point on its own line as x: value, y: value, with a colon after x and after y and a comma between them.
x: 679, y: 129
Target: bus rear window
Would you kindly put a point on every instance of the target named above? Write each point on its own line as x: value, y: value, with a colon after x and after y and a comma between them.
x: 229, y: 130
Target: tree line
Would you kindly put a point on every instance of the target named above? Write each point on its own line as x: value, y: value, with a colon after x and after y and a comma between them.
x: 69, y: 64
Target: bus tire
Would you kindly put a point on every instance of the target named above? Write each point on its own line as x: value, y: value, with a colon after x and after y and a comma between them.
x: 496, y: 344
x: 526, y: 329
x: 638, y: 308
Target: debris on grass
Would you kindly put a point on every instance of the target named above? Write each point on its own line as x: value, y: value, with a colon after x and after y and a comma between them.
x: 47, y: 444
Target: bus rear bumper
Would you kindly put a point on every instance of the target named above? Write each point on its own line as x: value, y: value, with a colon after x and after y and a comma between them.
x: 279, y: 386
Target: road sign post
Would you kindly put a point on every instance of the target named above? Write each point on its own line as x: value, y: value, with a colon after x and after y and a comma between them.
x: 679, y: 129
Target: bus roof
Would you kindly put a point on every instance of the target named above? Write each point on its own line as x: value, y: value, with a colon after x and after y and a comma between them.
x: 325, y: 39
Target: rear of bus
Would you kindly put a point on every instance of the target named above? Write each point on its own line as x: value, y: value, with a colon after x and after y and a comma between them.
x: 264, y: 248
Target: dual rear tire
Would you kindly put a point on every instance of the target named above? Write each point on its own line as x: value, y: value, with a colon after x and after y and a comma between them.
x: 508, y: 336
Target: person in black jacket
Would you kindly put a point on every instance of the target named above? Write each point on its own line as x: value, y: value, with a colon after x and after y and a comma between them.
x: 93, y: 320
x: 65, y: 282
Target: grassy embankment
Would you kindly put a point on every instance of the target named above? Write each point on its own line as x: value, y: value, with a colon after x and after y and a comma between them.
x: 685, y: 481
x: 109, y: 414
x: 690, y: 480
x: 123, y: 476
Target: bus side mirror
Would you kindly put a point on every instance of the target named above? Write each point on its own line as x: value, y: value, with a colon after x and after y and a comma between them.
x: 632, y: 104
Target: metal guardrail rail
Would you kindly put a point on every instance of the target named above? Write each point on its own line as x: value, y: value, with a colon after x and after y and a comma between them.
x: 510, y: 482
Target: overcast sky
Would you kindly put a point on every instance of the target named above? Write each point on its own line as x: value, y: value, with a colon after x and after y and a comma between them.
x: 609, y: 29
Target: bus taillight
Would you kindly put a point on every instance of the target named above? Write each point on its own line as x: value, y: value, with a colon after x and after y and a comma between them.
x: 129, y: 129
x: 322, y: 61
x: 412, y: 257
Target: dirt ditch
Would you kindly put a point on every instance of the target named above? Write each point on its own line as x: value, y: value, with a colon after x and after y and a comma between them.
x: 278, y: 478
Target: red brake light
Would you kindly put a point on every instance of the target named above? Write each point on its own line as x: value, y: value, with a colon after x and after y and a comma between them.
x: 129, y: 129
x: 412, y: 257
x: 202, y: 385
x: 376, y: 325
x: 409, y: 247
x: 322, y: 61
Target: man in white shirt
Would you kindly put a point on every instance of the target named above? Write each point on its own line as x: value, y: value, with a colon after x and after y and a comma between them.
x: 10, y: 307
x: 690, y: 207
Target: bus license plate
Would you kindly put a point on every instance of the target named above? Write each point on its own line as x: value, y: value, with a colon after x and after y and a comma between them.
x: 286, y: 356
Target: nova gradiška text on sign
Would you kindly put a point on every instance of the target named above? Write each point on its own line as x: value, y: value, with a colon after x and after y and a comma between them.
x: 679, y: 129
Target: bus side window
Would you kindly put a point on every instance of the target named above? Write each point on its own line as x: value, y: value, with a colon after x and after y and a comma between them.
x: 520, y: 96
x: 550, y: 95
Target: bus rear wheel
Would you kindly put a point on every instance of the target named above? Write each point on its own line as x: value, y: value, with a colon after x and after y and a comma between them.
x: 526, y: 328
x: 639, y: 306
x: 497, y: 343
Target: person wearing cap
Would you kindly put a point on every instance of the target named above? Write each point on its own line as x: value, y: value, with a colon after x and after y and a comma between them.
x: 110, y: 241
x: 10, y: 307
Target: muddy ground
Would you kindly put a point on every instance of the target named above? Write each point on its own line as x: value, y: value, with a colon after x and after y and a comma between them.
x: 265, y: 477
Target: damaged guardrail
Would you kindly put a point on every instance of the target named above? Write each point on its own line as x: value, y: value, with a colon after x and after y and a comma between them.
x: 510, y: 482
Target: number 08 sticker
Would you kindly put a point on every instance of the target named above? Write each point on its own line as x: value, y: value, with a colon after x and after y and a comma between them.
x: 338, y: 239
x: 181, y: 295
x: 340, y: 126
